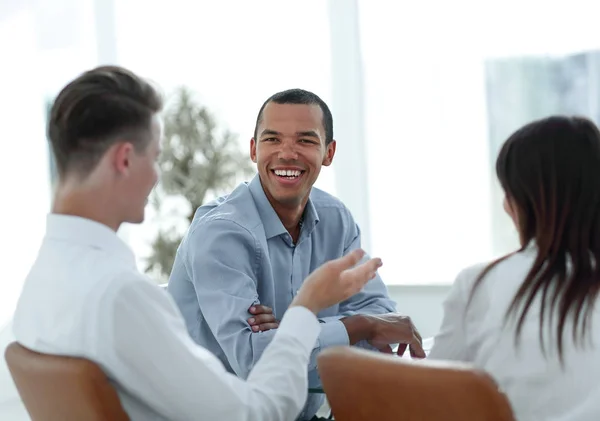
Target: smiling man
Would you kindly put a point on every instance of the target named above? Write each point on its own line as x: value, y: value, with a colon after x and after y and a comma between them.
x: 245, y: 255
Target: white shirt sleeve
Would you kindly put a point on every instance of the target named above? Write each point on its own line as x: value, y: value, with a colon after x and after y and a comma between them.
x: 153, y: 357
x: 451, y: 343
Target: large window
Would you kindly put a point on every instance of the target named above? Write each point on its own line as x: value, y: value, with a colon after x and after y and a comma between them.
x: 24, y: 168
x: 446, y: 83
x: 48, y: 43
x: 524, y: 88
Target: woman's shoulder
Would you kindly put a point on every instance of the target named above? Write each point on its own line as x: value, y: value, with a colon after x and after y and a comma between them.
x: 507, y: 270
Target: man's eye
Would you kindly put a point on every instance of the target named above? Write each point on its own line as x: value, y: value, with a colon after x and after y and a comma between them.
x: 307, y: 141
x: 270, y: 139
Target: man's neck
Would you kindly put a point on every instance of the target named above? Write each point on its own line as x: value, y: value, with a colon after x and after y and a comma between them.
x: 290, y: 217
x: 90, y: 204
x: 290, y: 214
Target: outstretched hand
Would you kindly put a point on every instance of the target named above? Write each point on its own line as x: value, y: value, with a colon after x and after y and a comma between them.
x: 336, y: 281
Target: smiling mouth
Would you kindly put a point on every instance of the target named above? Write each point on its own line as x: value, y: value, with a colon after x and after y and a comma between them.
x: 288, y: 174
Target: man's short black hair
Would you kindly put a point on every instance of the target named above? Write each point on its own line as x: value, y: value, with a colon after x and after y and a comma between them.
x: 300, y: 96
x: 96, y: 109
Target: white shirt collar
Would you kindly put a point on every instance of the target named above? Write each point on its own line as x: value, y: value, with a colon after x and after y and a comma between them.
x: 85, y: 232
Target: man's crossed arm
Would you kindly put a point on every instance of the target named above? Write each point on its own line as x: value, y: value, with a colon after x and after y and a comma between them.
x: 221, y: 262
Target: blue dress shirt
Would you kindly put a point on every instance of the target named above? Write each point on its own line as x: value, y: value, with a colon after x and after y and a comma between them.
x: 237, y: 253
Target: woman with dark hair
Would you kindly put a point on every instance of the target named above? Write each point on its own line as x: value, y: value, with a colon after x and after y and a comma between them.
x: 531, y: 318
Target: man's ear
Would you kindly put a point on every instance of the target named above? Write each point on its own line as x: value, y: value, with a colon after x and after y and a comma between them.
x: 253, y: 150
x: 329, y: 154
x: 121, y: 157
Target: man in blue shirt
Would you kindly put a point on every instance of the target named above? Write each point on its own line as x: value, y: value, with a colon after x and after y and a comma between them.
x: 245, y: 255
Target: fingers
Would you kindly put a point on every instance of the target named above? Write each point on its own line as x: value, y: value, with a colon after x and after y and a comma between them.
x: 363, y: 273
x: 347, y: 261
x: 262, y: 322
x: 336, y: 281
x: 262, y: 318
x: 260, y: 309
x: 386, y: 350
x: 416, y: 350
x: 416, y: 333
x: 264, y: 327
x: 416, y: 347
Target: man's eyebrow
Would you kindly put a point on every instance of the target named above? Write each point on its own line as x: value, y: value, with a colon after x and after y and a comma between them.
x: 309, y: 133
x: 269, y: 132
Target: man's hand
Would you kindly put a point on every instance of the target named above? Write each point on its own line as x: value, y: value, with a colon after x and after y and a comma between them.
x: 383, y: 330
x: 262, y: 318
x: 394, y: 328
x: 336, y: 281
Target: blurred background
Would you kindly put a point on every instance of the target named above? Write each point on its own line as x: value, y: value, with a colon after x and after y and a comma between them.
x: 422, y: 93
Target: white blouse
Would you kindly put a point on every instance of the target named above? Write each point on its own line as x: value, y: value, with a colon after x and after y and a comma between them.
x: 538, y: 387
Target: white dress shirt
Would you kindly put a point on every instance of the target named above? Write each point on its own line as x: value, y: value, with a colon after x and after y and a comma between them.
x: 84, y: 297
x: 538, y: 388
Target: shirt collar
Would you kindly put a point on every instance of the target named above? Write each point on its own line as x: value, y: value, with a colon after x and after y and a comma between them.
x: 311, y: 218
x: 270, y: 219
x: 85, y: 232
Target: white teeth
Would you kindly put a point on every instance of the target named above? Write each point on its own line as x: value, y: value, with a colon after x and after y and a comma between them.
x: 288, y: 173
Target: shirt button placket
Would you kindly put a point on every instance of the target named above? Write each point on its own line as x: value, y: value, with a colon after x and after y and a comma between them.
x: 293, y: 290
x: 296, y: 270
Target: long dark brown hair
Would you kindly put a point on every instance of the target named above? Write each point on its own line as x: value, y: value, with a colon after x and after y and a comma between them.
x: 550, y: 173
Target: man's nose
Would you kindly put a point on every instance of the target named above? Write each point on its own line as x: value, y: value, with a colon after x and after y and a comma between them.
x: 288, y: 151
